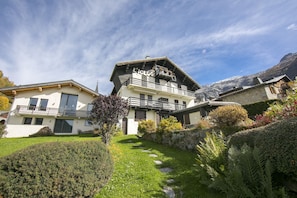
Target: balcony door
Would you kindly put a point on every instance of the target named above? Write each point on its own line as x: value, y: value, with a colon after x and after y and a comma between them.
x: 68, y: 104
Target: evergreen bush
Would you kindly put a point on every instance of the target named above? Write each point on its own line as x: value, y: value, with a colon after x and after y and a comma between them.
x: 57, y: 169
x: 278, y: 143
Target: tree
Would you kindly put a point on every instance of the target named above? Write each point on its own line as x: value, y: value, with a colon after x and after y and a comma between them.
x: 4, y: 101
x: 106, y: 112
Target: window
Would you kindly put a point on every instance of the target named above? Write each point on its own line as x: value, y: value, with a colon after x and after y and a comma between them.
x: 38, y: 121
x: 140, y: 115
x: 33, y: 103
x: 27, y: 120
x: 142, y: 100
x: 88, y: 123
x: 68, y: 104
x: 150, y: 100
x: 89, y: 108
x: 43, y: 104
x: 176, y: 105
x: 63, y: 126
x: 184, y: 104
x: 272, y: 90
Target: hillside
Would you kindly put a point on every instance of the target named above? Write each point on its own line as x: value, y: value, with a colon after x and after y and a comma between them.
x: 287, y: 65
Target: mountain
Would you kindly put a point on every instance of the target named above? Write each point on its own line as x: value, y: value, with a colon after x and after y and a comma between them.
x: 287, y: 65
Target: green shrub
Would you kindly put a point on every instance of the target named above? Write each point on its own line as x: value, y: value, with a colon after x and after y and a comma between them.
x: 146, y: 126
x: 45, y: 131
x: 170, y: 124
x: 211, y: 159
x: 2, y: 130
x: 248, y: 175
x: 57, y: 169
x: 278, y: 143
x: 257, y: 108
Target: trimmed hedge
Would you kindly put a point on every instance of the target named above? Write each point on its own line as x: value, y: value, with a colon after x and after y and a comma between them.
x: 57, y: 169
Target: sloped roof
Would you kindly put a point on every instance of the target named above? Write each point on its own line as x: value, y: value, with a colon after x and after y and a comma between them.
x: 194, y: 84
x: 11, y: 91
x: 241, y: 89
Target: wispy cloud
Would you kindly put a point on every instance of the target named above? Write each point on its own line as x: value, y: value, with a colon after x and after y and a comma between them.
x: 293, y: 26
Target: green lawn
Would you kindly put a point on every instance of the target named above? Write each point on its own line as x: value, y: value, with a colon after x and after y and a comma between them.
x: 135, y: 173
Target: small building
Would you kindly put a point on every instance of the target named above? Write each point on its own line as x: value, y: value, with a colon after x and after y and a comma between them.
x: 154, y: 88
x: 272, y: 89
x: 63, y: 106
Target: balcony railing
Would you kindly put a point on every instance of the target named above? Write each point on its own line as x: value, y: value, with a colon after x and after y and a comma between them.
x: 158, y: 87
x: 154, y: 104
x: 63, y: 112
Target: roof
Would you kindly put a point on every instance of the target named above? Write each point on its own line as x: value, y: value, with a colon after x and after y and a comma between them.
x: 209, y: 103
x: 11, y: 91
x: 164, y: 58
x: 244, y: 88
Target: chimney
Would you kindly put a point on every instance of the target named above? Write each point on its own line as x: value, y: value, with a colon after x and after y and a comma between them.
x: 257, y: 80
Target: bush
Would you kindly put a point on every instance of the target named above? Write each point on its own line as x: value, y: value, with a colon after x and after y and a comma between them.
x: 2, y: 130
x: 278, y: 143
x: 146, y: 126
x: 45, y: 131
x: 170, y: 124
x: 257, y: 108
x: 229, y: 119
x: 204, y: 124
x: 57, y: 169
x: 211, y: 159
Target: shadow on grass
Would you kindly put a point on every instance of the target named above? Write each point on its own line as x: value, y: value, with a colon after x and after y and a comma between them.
x: 184, y: 180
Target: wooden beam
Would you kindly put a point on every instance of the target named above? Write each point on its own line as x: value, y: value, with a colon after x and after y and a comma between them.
x: 59, y: 86
x: 14, y: 92
x: 40, y: 89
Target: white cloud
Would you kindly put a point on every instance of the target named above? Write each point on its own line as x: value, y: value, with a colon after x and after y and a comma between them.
x: 293, y: 26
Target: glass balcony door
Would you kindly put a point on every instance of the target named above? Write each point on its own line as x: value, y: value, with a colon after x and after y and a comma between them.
x: 68, y: 104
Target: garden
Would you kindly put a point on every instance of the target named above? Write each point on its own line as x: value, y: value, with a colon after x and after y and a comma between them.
x: 236, y: 157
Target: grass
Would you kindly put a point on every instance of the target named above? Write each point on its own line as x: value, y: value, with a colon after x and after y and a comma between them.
x: 135, y: 173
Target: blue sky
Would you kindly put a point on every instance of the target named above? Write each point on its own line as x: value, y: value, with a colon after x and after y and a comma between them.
x: 51, y: 40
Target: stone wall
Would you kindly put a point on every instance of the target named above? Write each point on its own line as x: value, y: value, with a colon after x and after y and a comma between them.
x: 185, y: 140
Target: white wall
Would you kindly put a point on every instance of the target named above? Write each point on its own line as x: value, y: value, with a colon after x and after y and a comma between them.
x: 21, y: 130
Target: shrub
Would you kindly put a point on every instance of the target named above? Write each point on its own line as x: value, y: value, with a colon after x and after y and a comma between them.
x: 45, y: 131
x: 229, y: 119
x: 57, y: 169
x: 2, y: 130
x: 146, y: 126
x: 278, y: 143
x: 211, y: 158
x: 257, y: 108
x: 229, y: 115
x: 204, y: 124
x: 169, y: 125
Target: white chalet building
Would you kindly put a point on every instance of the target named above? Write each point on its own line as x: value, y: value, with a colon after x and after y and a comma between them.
x: 63, y: 106
x: 154, y: 88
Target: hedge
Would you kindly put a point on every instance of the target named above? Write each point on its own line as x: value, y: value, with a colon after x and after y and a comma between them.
x: 57, y: 169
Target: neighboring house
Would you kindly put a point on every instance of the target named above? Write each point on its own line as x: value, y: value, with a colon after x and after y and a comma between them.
x: 63, y: 106
x: 269, y: 90
x: 154, y: 88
